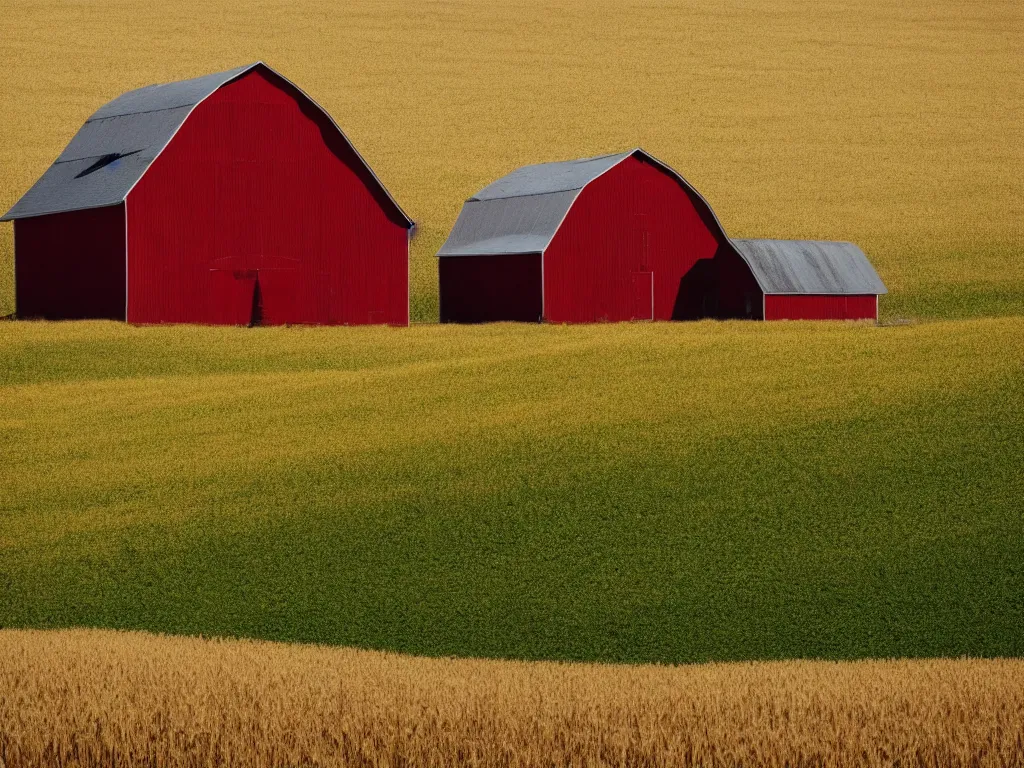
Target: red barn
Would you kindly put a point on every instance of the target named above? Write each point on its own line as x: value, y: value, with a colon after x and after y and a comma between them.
x: 797, y: 280
x: 624, y: 237
x: 231, y: 198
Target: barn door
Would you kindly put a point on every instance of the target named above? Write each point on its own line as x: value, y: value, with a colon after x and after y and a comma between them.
x: 291, y: 296
x: 643, y: 295
x: 230, y: 296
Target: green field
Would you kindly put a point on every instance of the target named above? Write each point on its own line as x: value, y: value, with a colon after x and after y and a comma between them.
x: 656, y: 492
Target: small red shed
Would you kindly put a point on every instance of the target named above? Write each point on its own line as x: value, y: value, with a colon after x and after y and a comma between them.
x: 231, y: 198
x: 797, y: 280
x: 625, y: 237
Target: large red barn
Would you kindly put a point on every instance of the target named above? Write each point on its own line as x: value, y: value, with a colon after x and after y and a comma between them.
x: 624, y: 237
x: 231, y: 198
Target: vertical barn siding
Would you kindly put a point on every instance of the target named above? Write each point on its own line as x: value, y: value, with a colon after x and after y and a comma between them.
x: 633, y: 219
x: 820, y: 307
x: 71, y: 266
x: 259, y: 186
x: 482, y: 289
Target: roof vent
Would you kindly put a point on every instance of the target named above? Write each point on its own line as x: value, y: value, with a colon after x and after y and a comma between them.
x: 104, y: 161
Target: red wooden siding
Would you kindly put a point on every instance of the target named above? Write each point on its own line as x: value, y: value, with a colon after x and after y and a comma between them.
x: 481, y: 289
x: 258, y: 188
x: 633, y: 219
x: 71, y: 266
x: 818, y: 307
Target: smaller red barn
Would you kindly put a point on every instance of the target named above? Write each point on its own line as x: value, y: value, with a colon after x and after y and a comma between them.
x: 231, y: 198
x: 625, y: 237
x: 797, y: 280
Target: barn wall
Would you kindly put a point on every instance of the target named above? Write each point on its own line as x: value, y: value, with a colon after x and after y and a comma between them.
x: 480, y: 289
x: 258, y: 187
x: 629, y: 228
x: 739, y: 295
x: 71, y: 266
x: 820, y: 307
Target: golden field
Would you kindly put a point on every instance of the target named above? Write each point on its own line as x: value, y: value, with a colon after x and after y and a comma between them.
x: 896, y: 125
x: 628, y: 493
x: 174, y: 412
x: 90, y: 698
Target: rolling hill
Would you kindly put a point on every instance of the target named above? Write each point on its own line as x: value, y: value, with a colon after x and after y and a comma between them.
x: 658, y: 492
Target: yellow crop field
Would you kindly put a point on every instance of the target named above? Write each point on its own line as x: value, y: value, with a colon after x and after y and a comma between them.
x: 91, y: 698
x: 897, y: 125
x: 613, y: 492
x: 646, y: 493
x: 110, y: 407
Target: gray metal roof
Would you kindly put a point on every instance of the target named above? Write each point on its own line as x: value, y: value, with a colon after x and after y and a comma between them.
x: 521, y: 212
x: 546, y: 178
x: 809, y: 266
x: 507, y: 225
x: 118, y: 143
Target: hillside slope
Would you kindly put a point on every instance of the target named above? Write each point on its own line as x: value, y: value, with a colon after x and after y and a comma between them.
x: 639, y: 492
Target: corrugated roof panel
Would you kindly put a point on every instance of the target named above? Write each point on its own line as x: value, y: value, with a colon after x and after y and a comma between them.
x: 183, y: 93
x: 507, y: 225
x: 64, y: 187
x: 545, y: 178
x: 124, y: 134
x: 810, y: 267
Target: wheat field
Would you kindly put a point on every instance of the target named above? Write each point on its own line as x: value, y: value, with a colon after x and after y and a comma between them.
x: 896, y: 125
x: 633, y: 493
x: 88, y: 698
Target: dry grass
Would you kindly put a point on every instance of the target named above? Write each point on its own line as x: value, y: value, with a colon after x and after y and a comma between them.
x: 90, y: 698
x: 898, y: 125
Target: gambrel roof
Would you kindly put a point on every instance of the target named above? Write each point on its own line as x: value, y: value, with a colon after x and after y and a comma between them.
x: 118, y: 143
x: 521, y: 212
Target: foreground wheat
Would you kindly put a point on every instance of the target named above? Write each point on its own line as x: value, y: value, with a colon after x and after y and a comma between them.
x: 95, y: 698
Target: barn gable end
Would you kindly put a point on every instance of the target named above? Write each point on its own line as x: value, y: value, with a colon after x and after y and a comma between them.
x: 626, y: 237
x: 275, y: 201
x: 118, y: 143
x: 624, y: 247
x: 240, y: 200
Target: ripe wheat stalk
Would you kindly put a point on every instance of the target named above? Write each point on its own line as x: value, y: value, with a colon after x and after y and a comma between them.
x: 100, y: 698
